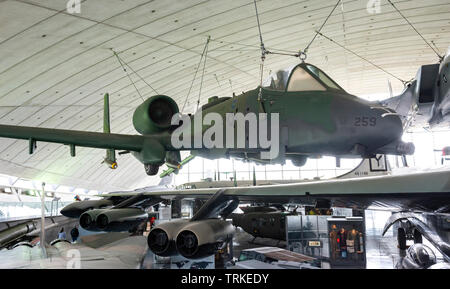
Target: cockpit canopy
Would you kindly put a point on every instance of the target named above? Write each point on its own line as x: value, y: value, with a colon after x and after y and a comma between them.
x: 302, y: 77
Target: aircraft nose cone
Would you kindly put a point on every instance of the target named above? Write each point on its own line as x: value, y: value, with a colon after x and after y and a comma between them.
x: 391, y: 125
x: 395, y: 124
x: 71, y: 211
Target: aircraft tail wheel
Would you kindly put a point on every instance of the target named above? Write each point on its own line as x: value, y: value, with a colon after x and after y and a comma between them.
x: 151, y: 170
x: 417, y: 237
x: 401, y: 238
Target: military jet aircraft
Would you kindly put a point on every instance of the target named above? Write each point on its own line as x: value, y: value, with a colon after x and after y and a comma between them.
x: 425, y: 101
x: 208, y: 230
x: 316, y: 117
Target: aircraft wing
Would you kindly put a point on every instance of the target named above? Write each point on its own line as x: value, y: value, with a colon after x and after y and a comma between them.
x: 424, y: 191
x: 77, y: 138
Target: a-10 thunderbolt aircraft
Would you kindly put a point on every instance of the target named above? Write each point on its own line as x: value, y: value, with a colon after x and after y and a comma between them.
x: 315, y: 117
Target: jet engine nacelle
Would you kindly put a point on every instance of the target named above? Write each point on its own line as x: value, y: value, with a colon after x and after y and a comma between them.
x: 88, y: 219
x: 112, y: 220
x: 161, y: 240
x: 76, y: 209
x: 118, y: 220
x: 155, y: 114
x: 200, y: 239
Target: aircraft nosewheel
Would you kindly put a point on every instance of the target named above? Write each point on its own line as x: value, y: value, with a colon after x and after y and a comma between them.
x: 401, y: 239
x: 151, y: 170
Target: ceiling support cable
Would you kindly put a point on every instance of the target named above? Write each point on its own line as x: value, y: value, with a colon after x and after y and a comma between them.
x: 129, y: 77
x: 264, y: 52
x: 196, y: 71
x: 122, y: 63
x: 231, y: 86
x: 253, y: 47
x: 418, y: 33
x: 301, y: 54
x: 217, y: 79
x: 365, y: 59
x: 201, y: 81
x: 318, y: 31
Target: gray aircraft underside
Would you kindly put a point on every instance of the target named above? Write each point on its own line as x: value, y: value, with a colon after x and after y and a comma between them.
x: 425, y: 102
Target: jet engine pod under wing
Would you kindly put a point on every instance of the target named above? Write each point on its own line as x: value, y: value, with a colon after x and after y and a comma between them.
x: 161, y: 240
x: 88, y: 219
x: 76, y: 209
x: 122, y: 219
x: 199, y: 239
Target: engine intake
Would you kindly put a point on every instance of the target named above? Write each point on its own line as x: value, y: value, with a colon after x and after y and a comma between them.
x: 88, y: 219
x: 200, y: 239
x: 161, y: 239
x: 155, y: 114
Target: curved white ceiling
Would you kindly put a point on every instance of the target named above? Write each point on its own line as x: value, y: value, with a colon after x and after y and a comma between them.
x: 55, y: 66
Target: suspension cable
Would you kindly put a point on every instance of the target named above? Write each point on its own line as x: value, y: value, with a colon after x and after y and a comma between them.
x: 129, y: 77
x: 254, y: 47
x: 195, y: 75
x: 201, y: 81
x: 365, y: 59
x: 412, y: 26
x: 320, y: 29
x: 263, y: 49
x: 263, y: 53
x: 217, y: 79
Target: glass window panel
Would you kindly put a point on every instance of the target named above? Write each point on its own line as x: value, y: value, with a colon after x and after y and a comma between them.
x: 273, y: 168
x: 243, y: 175
x: 181, y: 179
x: 308, y: 174
x: 278, y: 80
x: 274, y: 175
x: 327, y: 174
x: 260, y: 176
x: 291, y: 175
x: 195, y: 177
x: 303, y: 81
x: 311, y: 164
x: 319, y: 73
x: 309, y: 225
x: 196, y: 165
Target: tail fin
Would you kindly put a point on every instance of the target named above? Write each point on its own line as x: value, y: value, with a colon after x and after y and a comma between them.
x: 110, y: 158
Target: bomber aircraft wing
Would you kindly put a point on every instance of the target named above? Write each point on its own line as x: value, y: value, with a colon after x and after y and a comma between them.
x: 421, y: 191
x: 205, y: 232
